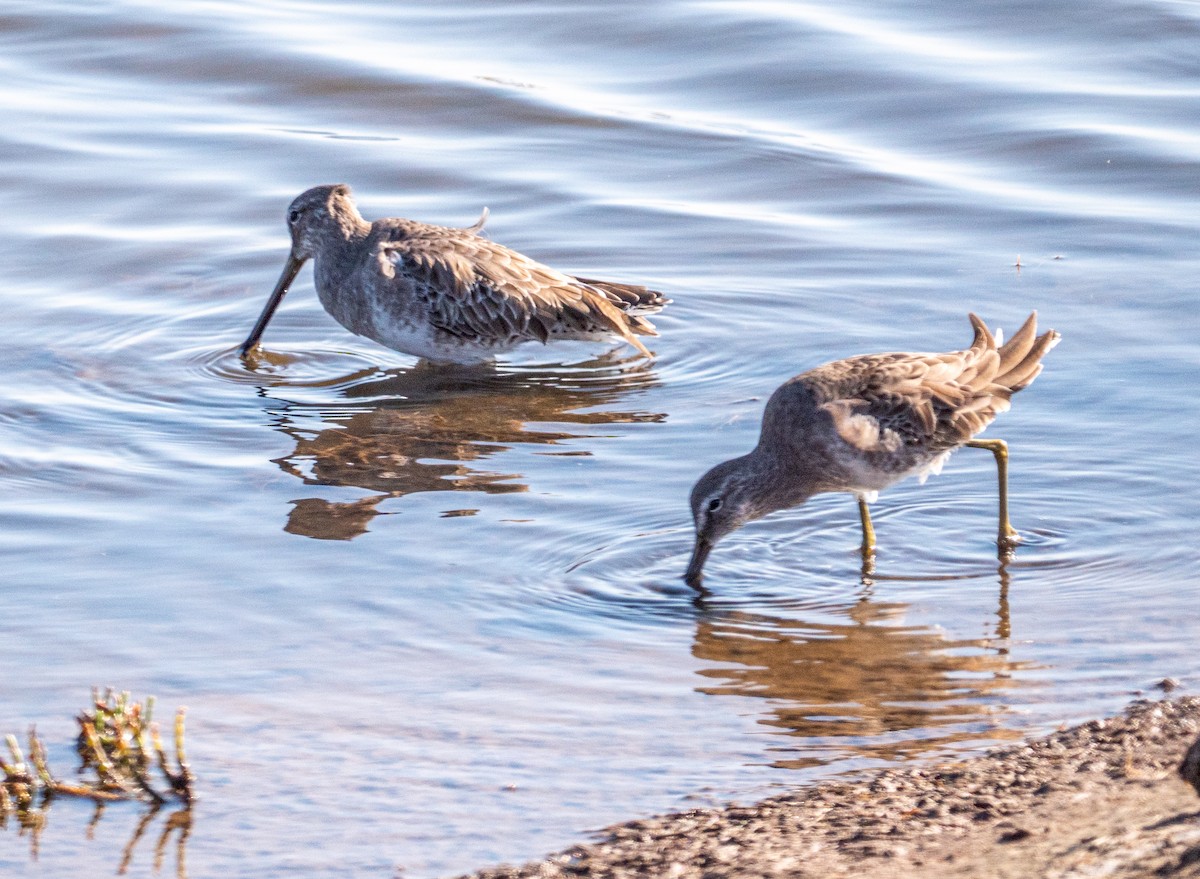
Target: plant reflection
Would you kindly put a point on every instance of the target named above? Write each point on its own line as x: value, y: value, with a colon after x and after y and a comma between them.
x: 180, y: 820
x: 32, y: 818
x: 860, y: 680
x: 429, y: 428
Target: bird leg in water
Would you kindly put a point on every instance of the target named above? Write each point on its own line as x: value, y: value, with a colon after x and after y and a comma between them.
x: 868, y: 532
x: 1008, y: 538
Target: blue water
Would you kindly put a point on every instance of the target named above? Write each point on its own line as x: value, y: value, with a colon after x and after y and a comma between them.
x: 430, y: 622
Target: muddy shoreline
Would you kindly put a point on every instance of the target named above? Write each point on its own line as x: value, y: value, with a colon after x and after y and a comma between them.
x: 1101, y: 799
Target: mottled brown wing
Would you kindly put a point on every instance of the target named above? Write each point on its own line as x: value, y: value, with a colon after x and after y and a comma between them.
x: 935, y: 401
x: 932, y: 401
x: 475, y: 288
x: 630, y: 298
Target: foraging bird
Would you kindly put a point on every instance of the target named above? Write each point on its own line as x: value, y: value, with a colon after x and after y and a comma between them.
x: 867, y: 422
x: 441, y: 293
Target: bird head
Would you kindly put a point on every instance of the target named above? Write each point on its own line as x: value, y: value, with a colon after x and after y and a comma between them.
x: 315, y: 217
x: 316, y: 213
x: 723, y: 500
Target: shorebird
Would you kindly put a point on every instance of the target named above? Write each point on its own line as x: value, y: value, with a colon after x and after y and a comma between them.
x: 441, y: 293
x: 864, y: 423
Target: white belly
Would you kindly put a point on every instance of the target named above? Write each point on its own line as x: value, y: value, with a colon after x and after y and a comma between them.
x: 867, y: 481
x: 424, y: 340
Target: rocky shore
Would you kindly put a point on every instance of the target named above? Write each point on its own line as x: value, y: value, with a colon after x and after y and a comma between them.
x: 1104, y: 799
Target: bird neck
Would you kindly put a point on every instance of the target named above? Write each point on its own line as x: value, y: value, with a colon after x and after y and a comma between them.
x: 334, y: 252
x: 784, y: 481
x: 347, y: 221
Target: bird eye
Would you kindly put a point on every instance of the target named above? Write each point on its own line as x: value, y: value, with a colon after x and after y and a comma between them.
x: 293, y: 215
x: 714, y: 505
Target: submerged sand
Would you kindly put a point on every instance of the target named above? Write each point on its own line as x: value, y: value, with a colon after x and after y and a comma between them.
x: 1104, y: 799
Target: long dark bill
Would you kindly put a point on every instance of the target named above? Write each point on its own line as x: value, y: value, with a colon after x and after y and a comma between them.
x: 290, y: 270
x: 695, y: 567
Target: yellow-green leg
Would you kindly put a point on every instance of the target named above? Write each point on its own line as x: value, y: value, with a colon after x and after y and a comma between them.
x: 868, y: 542
x: 1008, y: 538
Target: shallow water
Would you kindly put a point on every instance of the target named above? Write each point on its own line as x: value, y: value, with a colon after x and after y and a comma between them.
x: 433, y: 619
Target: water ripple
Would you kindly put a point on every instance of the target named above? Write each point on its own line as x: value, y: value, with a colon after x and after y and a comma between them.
x: 474, y: 576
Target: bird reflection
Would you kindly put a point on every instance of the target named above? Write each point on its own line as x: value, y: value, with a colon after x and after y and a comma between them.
x: 431, y: 428
x: 332, y: 520
x: 859, y: 680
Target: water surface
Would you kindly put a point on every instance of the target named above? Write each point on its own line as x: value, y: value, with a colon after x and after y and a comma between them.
x: 430, y: 619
